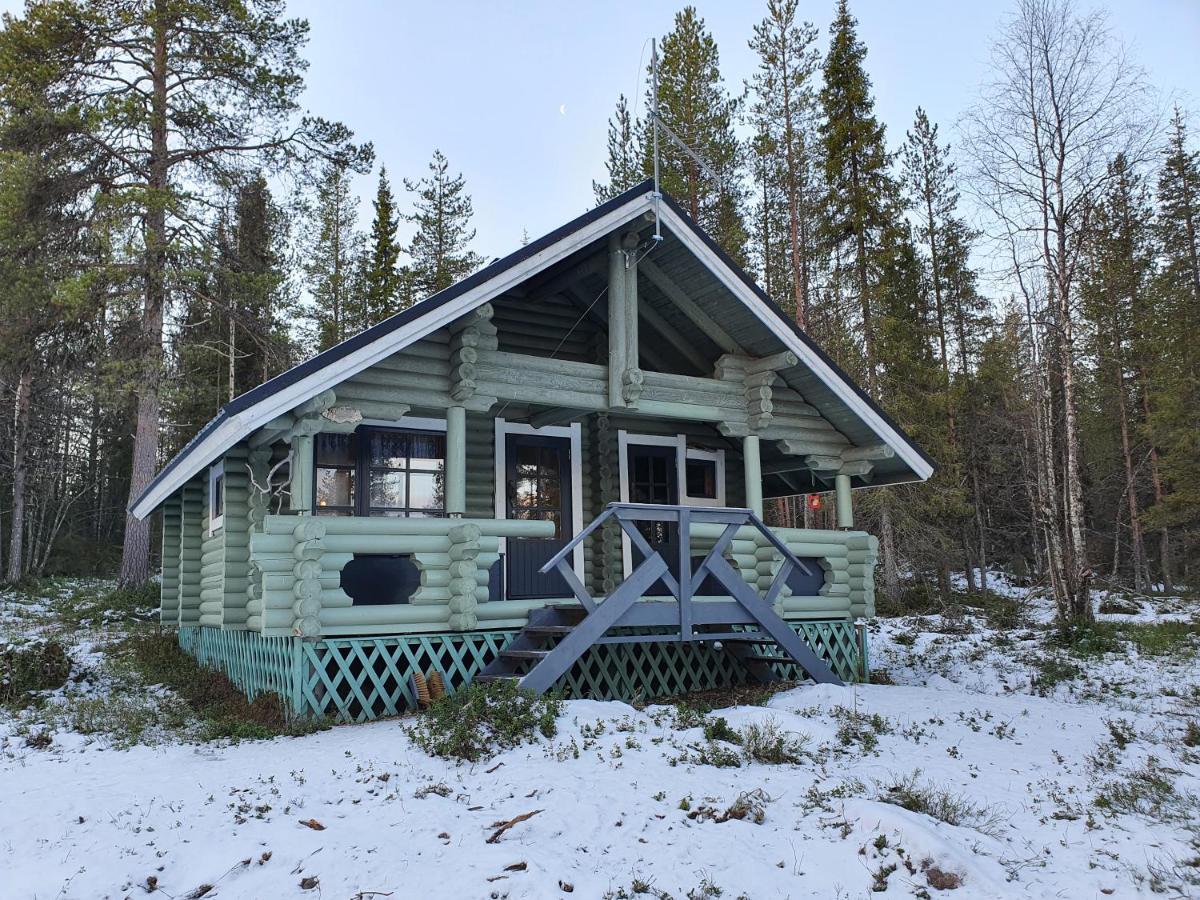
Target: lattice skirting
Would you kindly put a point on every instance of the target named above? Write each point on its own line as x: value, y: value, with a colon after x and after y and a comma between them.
x: 356, y: 679
x: 256, y: 664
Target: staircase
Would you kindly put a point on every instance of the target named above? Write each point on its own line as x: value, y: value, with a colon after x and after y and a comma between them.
x: 556, y: 636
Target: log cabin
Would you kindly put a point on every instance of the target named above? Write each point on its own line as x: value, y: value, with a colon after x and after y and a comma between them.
x: 553, y: 471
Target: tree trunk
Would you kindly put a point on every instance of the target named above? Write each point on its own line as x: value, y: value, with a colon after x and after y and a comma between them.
x: 135, y: 558
x: 887, y: 544
x: 1137, y: 545
x: 1164, y: 536
x: 16, y: 541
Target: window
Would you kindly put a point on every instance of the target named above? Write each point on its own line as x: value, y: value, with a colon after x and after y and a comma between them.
x: 702, y: 479
x: 216, y: 497
x: 380, y: 472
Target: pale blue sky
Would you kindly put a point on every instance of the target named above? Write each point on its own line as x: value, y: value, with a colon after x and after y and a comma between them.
x: 485, y: 81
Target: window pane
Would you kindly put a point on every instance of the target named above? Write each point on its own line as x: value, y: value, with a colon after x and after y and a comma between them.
x: 387, y: 489
x: 337, y: 449
x: 424, y: 491
x: 526, y: 493
x: 389, y: 449
x: 428, y: 451
x: 218, y: 497
x: 335, y: 487
x: 702, y: 478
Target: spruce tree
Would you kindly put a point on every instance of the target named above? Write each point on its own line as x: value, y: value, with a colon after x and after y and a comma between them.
x: 693, y: 103
x: 381, y: 283
x: 233, y: 333
x: 784, y: 115
x: 862, y: 206
x: 626, y: 159
x: 440, y: 249
x: 1118, y: 266
x: 332, y: 261
x: 1174, y: 394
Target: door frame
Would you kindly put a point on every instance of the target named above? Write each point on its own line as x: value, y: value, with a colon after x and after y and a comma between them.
x: 683, y: 453
x: 574, y: 432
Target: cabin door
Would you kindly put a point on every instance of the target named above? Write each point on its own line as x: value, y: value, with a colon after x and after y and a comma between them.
x: 654, y: 478
x: 538, y: 486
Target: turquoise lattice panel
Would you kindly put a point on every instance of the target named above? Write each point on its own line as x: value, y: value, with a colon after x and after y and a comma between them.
x: 357, y: 679
x: 256, y: 664
x: 838, y: 643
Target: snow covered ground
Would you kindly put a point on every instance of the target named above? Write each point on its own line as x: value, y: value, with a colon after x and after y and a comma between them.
x: 995, y: 766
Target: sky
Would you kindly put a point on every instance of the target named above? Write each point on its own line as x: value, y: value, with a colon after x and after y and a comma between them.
x: 517, y: 95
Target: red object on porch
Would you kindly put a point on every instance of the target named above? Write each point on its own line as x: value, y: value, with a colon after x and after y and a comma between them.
x: 814, y: 501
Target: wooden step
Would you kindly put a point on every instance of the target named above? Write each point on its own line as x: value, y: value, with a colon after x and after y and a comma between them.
x: 740, y: 637
x: 491, y: 678
x: 763, y: 657
x: 525, y: 654
x: 549, y: 629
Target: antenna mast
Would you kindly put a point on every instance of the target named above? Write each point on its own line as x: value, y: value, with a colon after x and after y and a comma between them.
x: 654, y: 117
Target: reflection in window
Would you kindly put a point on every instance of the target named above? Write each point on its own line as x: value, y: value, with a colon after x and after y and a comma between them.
x: 402, y: 472
x: 537, y: 487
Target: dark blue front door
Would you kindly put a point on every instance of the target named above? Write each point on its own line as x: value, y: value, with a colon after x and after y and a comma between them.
x: 538, y: 487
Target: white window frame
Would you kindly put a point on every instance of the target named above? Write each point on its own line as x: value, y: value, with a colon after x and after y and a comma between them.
x: 683, y: 453
x: 574, y: 432
x: 216, y: 473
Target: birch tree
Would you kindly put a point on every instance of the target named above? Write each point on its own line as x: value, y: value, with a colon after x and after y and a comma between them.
x: 1063, y: 99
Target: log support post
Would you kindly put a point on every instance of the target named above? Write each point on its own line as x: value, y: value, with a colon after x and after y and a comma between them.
x: 752, y: 464
x: 631, y: 378
x: 300, y: 498
x: 456, y: 461
x: 843, y: 500
x: 616, y: 322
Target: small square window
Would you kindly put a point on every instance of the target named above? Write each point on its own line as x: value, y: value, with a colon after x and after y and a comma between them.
x: 216, y: 497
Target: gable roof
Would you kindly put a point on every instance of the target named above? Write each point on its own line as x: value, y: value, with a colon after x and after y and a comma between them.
x: 241, y: 416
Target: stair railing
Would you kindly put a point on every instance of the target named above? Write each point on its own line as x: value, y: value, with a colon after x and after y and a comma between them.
x: 683, y: 588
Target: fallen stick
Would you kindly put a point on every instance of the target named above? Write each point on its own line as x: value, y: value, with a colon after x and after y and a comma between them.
x: 504, y: 826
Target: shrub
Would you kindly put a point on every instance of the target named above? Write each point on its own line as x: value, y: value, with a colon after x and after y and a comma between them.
x: 911, y: 793
x: 1148, y: 791
x: 768, y: 743
x: 223, y: 710
x: 719, y: 730
x: 1051, y: 671
x: 27, y: 668
x: 483, y: 719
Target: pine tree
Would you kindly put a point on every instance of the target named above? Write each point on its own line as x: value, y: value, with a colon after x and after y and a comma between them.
x: 440, y: 250
x: 331, y: 264
x: 217, y: 85
x: 693, y: 103
x: 958, y: 313
x: 784, y: 114
x: 382, y: 280
x: 626, y: 159
x: 769, y: 246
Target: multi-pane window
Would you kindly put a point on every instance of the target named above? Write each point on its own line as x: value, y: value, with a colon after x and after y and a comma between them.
x: 380, y: 472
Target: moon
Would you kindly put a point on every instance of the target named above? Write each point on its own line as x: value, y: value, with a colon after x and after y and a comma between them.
x: 562, y: 109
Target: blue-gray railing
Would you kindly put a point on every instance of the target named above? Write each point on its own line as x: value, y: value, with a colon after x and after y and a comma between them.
x: 621, y: 608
